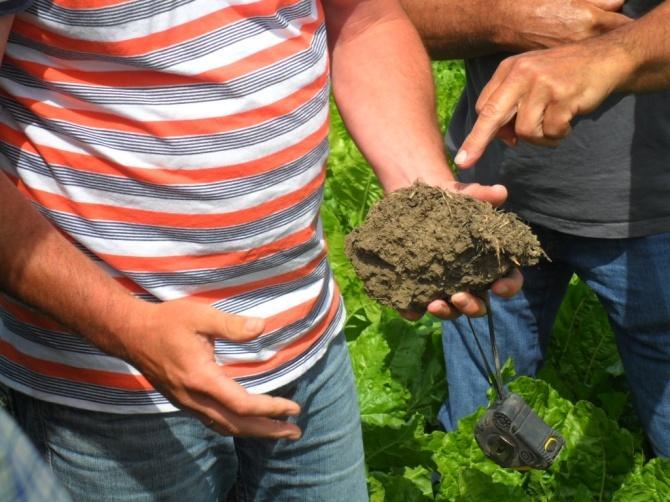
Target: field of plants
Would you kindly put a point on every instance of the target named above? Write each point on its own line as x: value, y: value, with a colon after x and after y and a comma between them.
x: 581, y: 391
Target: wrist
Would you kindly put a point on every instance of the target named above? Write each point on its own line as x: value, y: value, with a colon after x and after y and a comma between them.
x: 630, y: 64
x: 620, y: 62
x: 121, y: 325
x: 500, y: 30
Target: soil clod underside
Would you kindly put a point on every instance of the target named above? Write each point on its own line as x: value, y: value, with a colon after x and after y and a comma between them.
x: 421, y: 243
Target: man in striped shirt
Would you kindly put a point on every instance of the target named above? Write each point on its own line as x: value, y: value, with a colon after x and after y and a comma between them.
x: 161, y: 243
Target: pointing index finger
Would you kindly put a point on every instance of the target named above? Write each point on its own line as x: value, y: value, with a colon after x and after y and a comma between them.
x: 500, y: 108
x: 496, y: 106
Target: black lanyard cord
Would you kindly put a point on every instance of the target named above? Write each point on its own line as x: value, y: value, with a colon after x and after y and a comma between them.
x: 494, y: 377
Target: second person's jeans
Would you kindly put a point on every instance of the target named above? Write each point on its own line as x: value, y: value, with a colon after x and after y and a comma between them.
x: 631, y: 277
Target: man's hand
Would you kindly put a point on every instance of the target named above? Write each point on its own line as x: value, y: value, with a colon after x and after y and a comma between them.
x: 535, y: 95
x: 172, y: 344
x: 540, y: 24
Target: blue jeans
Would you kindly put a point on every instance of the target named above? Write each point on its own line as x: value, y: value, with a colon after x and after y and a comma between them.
x: 102, y: 456
x: 24, y: 477
x: 631, y: 277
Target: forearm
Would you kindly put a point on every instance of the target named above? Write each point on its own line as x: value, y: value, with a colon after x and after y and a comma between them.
x: 470, y: 28
x: 456, y: 29
x: 43, y: 269
x: 383, y: 86
x: 645, y: 47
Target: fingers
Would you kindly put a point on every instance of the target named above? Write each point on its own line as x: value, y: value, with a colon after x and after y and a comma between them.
x: 468, y: 304
x: 530, y: 116
x: 464, y: 303
x: 496, y: 111
x: 494, y: 194
x: 490, y: 121
x: 441, y: 309
x: 535, y: 100
x: 258, y: 427
x: 460, y: 303
x: 556, y: 121
x: 509, y: 285
x: 239, y: 401
x: 214, y: 323
x: 541, y: 121
x: 507, y: 135
x: 499, y: 76
x: 228, y: 423
x: 177, y: 357
x: 230, y: 409
x: 473, y: 306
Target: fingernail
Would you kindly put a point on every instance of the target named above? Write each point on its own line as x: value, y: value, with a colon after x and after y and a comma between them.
x: 253, y: 325
x: 292, y: 435
x: 501, y: 290
x: 461, y: 157
x: 459, y: 300
x: 446, y: 313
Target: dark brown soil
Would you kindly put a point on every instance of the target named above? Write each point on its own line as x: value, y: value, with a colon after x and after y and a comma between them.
x: 421, y: 243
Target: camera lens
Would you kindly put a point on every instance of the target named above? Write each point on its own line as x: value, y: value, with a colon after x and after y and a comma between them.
x: 501, y: 448
x: 502, y: 421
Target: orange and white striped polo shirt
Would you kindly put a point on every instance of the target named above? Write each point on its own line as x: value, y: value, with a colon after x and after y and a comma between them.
x: 181, y: 144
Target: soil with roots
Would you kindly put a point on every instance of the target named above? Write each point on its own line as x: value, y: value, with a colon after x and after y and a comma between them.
x: 422, y: 243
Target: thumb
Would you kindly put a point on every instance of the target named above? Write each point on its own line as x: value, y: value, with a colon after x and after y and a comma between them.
x: 495, y: 194
x: 216, y: 324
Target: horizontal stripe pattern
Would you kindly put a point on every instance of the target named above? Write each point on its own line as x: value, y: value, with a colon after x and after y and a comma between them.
x: 180, y: 145
x: 128, y: 187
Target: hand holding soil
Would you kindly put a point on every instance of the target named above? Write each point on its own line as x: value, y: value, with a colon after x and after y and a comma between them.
x: 421, y: 244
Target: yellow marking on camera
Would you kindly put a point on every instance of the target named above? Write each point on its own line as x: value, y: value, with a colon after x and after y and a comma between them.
x: 550, y: 443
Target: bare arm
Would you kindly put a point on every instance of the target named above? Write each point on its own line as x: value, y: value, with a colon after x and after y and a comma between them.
x: 534, y: 96
x: 455, y: 29
x: 383, y: 86
x: 647, y: 44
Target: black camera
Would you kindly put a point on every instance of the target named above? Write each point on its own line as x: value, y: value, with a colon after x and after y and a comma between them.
x: 512, y: 435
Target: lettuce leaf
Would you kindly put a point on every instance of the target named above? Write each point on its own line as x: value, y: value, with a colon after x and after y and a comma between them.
x: 649, y: 483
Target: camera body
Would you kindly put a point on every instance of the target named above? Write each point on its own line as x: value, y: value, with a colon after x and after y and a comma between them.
x: 513, y: 435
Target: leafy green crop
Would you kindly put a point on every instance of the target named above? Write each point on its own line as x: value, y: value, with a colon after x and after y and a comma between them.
x: 581, y: 391
x: 647, y: 483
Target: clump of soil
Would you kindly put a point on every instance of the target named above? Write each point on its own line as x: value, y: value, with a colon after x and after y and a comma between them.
x: 421, y: 243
